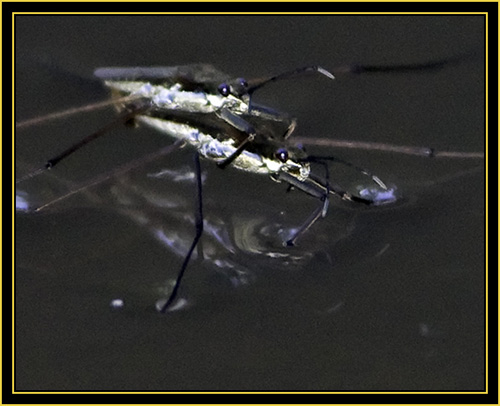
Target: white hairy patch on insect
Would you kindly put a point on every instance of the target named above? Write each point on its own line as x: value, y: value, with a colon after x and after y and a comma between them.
x: 216, y: 150
x: 174, y: 97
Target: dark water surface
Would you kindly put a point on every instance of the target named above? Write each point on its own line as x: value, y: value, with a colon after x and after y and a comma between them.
x: 381, y: 299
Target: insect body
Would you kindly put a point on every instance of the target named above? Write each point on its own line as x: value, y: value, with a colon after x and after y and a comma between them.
x: 189, y: 103
x: 198, y: 105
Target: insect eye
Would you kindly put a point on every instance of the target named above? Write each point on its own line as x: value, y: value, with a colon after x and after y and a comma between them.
x: 224, y: 89
x: 282, y: 155
x: 243, y: 82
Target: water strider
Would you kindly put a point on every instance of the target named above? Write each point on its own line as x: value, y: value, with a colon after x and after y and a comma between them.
x: 201, y: 106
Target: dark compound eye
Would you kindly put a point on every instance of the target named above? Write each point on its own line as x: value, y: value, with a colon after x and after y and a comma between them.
x: 224, y: 89
x: 282, y: 155
x: 243, y: 82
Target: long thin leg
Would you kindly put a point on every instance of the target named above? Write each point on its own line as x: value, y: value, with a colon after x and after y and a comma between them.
x: 337, y: 191
x: 316, y: 186
x: 256, y: 84
x: 319, y: 188
x: 356, y: 69
x: 405, y: 68
x: 124, y: 118
x: 296, y: 72
x: 315, y: 215
x: 245, y: 127
x: 321, y: 159
x: 291, y: 128
x: 383, y: 147
x: 237, y: 152
x: 112, y: 174
x: 327, y: 190
x: 241, y: 125
x: 91, y: 137
x: 199, y: 232
x: 75, y: 110
x: 319, y: 212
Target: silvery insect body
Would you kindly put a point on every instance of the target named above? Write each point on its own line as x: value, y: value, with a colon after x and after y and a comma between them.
x: 186, y: 103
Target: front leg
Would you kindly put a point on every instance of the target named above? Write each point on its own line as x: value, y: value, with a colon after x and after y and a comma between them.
x: 241, y: 125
